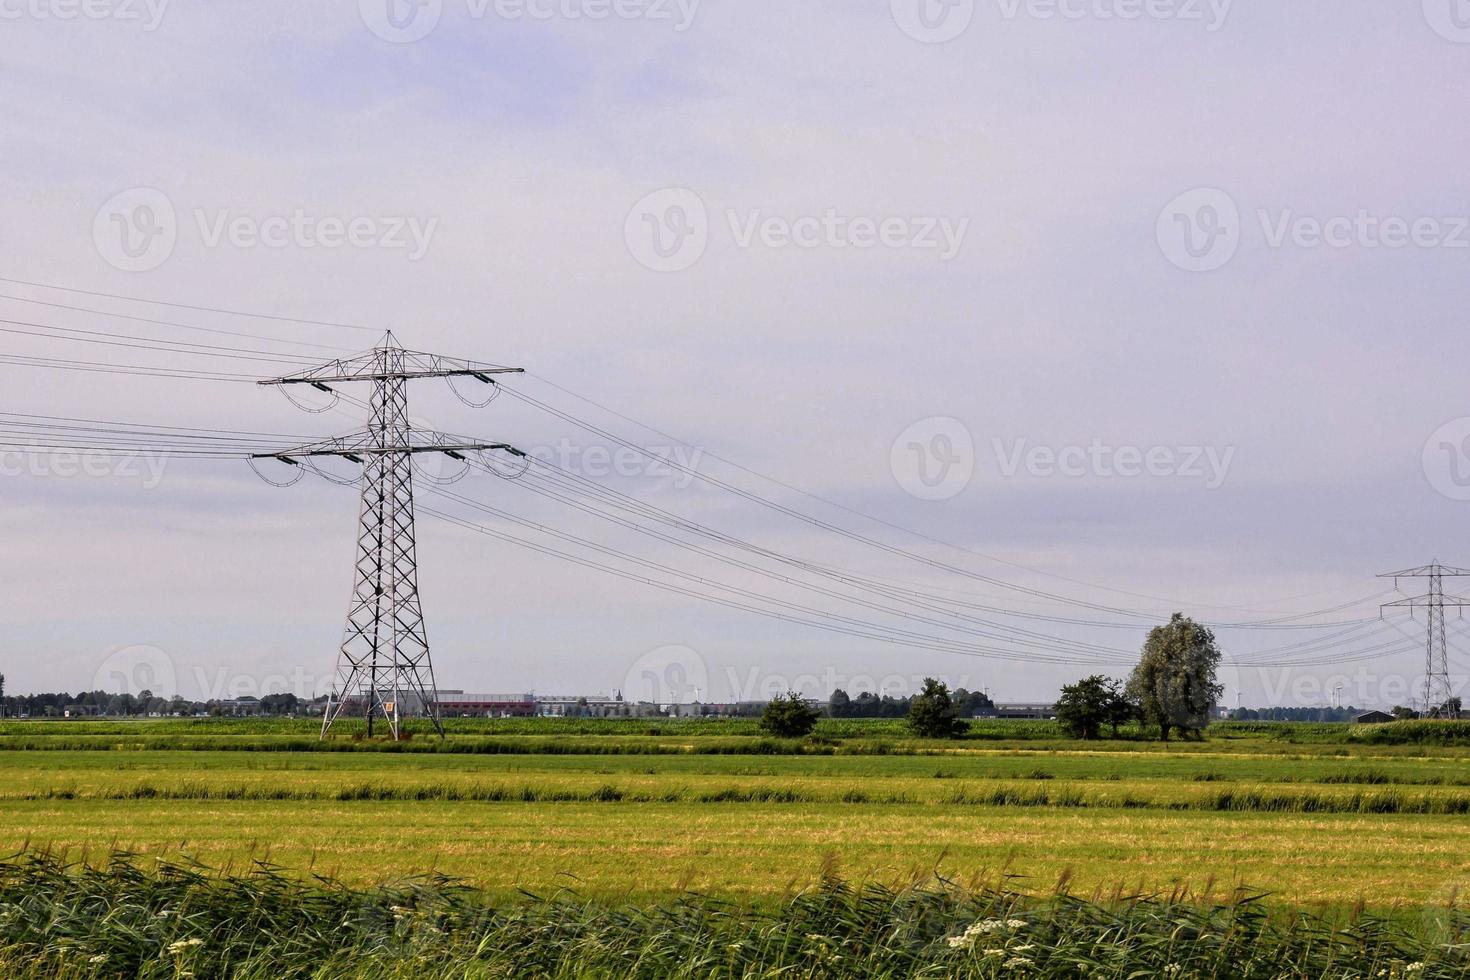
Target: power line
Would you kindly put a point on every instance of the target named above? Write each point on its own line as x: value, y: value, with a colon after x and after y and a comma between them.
x: 186, y: 306
x: 878, y: 520
x: 173, y: 323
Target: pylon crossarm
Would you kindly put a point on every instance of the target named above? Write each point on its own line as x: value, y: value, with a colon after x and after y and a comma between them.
x: 363, y: 444
x: 403, y: 364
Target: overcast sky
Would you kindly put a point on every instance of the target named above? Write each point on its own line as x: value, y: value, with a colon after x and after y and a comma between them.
x: 1162, y: 297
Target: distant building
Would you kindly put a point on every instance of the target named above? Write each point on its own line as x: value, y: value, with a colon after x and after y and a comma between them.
x: 241, y: 706
x: 1025, y: 710
x: 1372, y: 718
x: 482, y: 705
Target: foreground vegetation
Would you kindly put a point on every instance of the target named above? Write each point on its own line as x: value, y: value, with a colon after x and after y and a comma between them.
x: 120, y: 920
x: 713, y: 848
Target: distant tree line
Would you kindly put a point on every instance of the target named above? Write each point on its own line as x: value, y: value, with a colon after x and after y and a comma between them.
x: 103, y: 703
x: 966, y: 704
x: 1296, y: 714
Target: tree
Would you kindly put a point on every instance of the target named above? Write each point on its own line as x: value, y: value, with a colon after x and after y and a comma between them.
x: 1174, y: 683
x: 1121, y: 709
x: 968, y: 704
x: 1404, y: 714
x: 789, y: 716
x: 839, y: 705
x: 1084, y: 706
x: 932, y: 713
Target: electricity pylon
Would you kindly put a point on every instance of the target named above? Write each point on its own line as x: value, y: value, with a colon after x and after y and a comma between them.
x: 385, y: 647
x: 1437, y: 691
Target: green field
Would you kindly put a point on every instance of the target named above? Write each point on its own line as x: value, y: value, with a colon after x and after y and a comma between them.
x: 1310, y: 815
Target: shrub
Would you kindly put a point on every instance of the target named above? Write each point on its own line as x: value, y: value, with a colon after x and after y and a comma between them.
x: 789, y: 716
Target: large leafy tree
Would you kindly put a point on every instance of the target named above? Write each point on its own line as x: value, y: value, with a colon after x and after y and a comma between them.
x: 1174, y: 683
x: 1085, y: 706
x: 789, y: 716
x: 932, y: 713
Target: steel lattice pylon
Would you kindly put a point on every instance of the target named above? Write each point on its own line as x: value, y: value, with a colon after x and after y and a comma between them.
x: 1438, y: 692
x: 384, y: 662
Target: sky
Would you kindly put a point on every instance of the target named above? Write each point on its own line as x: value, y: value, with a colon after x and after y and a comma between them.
x: 1146, y: 305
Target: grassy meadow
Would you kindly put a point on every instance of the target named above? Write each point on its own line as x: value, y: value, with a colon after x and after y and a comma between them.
x: 567, y: 818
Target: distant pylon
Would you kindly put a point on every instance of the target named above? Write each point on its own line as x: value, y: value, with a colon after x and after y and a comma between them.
x: 1437, y: 690
x: 385, y: 647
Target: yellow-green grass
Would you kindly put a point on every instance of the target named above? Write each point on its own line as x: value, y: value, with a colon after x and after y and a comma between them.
x: 763, y: 851
x: 1307, y: 823
x: 859, y: 782
x: 1078, y: 778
